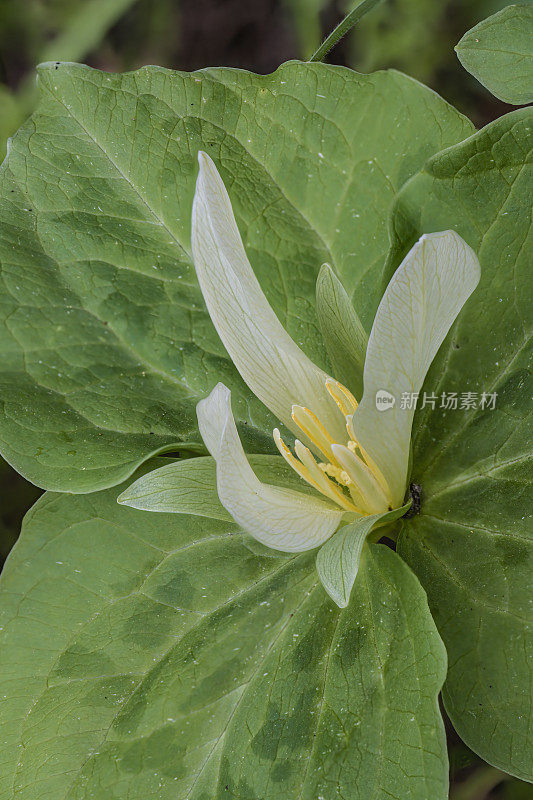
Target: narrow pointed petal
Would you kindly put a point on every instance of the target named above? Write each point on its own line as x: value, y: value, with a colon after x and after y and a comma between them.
x: 270, y: 362
x: 344, y: 336
x: 279, y: 518
x: 420, y: 304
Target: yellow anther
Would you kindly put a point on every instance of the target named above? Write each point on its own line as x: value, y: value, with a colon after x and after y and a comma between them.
x: 345, y: 466
x: 297, y: 466
x: 340, y: 475
x: 326, y: 485
x: 344, y: 399
x: 362, y: 478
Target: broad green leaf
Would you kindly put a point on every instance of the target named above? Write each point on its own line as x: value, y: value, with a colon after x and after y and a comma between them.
x: 471, y: 546
x: 499, y: 53
x: 338, y: 560
x: 149, y: 655
x: 344, y: 336
x: 189, y: 486
x: 106, y: 346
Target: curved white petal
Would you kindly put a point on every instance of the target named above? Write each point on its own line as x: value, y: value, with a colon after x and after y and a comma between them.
x: 279, y: 518
x: 419, y: 306
x: 271, y: 363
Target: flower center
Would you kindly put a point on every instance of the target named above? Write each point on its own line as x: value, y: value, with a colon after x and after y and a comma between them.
x: 348, y: 476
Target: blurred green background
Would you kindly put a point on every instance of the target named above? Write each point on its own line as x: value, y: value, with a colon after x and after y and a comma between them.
x: 415, y: 36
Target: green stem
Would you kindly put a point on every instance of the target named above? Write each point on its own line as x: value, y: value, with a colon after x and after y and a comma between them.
x: 479, y: 784
x: 351, y: 19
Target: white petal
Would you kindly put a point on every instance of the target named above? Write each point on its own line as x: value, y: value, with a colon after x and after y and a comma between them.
x: 271, y: 363
x: 212, y: 413
x: 279, y: 518
x: 419, y: 306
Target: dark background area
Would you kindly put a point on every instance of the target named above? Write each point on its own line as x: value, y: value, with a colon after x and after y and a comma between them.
x: 414, y: 36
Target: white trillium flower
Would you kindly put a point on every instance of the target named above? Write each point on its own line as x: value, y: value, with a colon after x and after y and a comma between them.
x: 356, y: 456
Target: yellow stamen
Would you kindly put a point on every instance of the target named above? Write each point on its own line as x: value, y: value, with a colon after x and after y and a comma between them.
x: 327, y: 486
x: 347, y: 466
x: 307, y: 468
x: 314, y: 430
x: 345, y: 400
x: 292, y: 461
x: 340, y: 475
x: 362, y: 478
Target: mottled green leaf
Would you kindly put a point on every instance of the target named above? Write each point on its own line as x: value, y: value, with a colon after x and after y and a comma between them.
x: 499, y: 53
x: 471, y: 546
x: 344, y: 336
x: 338, y: 560
x: 148, y: 656
x: 106, y: 346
